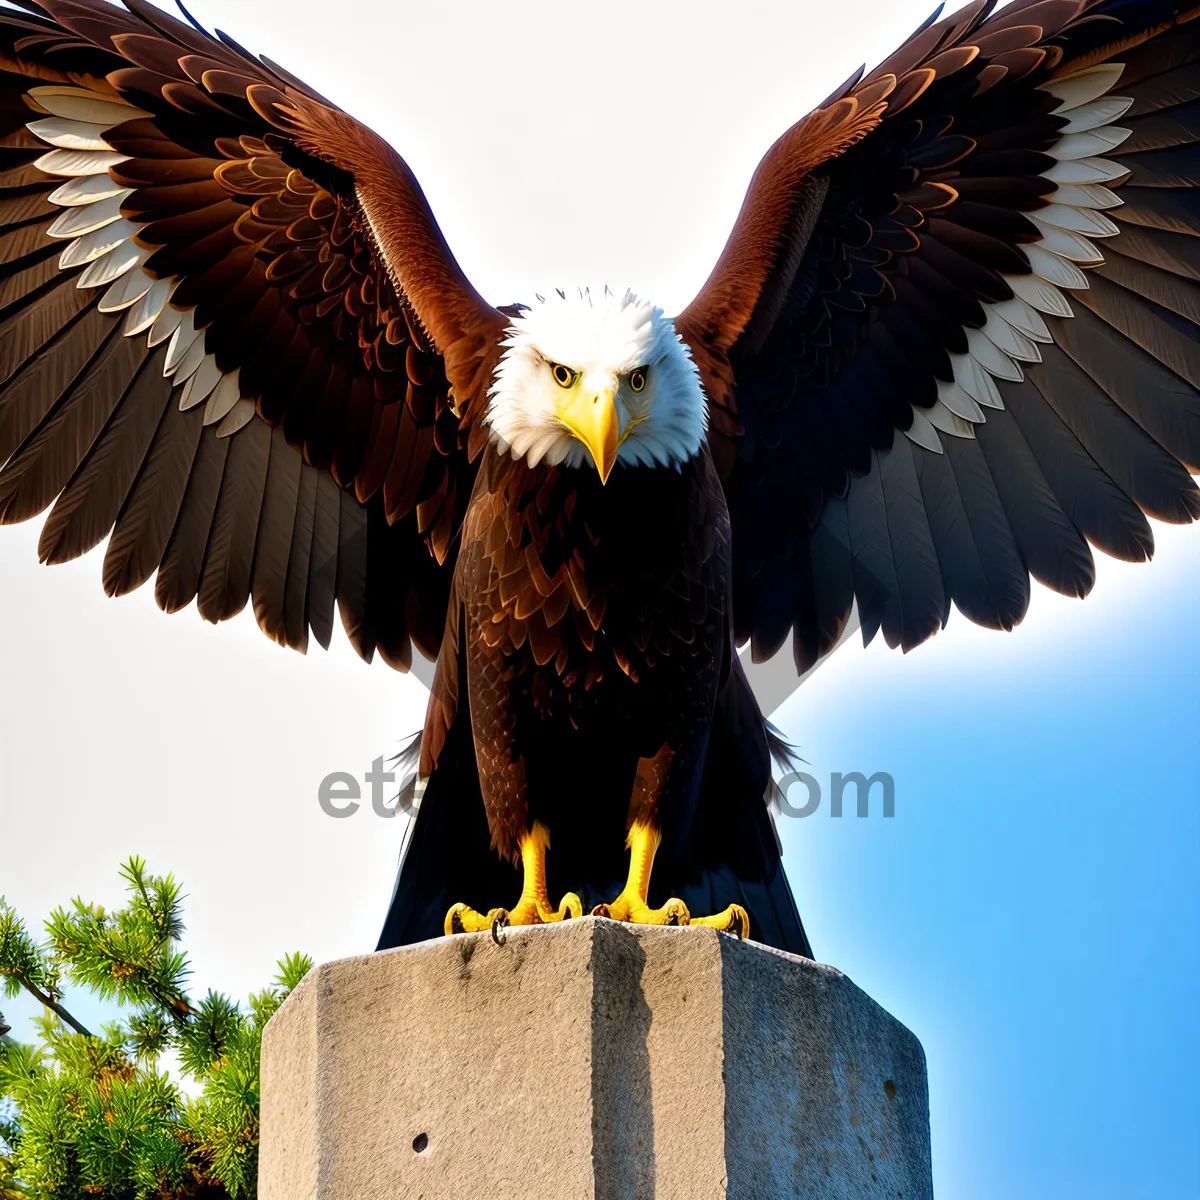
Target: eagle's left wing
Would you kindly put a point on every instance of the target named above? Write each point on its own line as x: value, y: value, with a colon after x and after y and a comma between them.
x: 233, y: 340
x: 955, y: 335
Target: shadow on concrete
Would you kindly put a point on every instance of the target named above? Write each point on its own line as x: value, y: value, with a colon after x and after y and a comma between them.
x: 622, y: 1103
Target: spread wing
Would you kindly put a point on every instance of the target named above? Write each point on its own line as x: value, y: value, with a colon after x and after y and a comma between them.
x: 954, y: 340
x: 232, y: 338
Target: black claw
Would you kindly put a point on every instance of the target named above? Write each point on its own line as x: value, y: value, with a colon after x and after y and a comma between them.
x: 499, y: 928
x: 456, y: 923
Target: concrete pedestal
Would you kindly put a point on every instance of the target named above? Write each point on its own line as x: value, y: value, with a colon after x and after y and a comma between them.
x: 590, y: 1059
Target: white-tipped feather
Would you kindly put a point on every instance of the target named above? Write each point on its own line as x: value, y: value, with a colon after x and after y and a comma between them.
x: 79, y: 162
x: 1039, y: 294
x: 956, y: 400
x: 190, y: 363
x: 201, y: 384
x: 1009, y: 339
x: 184, y: 335
x: 114, y: 264
x: 165, y: 324
x: 69, y: 135
x: 991, y: 358
x: 1083, y: 87
x: 1087, y: 145
x: 1053, y: 269
x: 239, y: 416
x: 73, y: 222
x: 1086, y: 195
x: 87, y: 189
x: 224, y: 399
x: 1096, y: 113
x: 1086, y: 170
x: 80, y: 104
x: 964, y: 375
x: 989, y: 395
x: 1023, y: 317
x: 945, y: 421
x: 130, y: 287
x: 923, y: 433
x: 1079, y: 220
x: 92, y: 245
x: 975, y: 381
x: 1065, y: 243
x: 145, y: 312
x: 185, y: 395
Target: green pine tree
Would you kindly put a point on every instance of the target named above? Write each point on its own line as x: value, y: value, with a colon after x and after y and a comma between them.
x: 93, y: 1114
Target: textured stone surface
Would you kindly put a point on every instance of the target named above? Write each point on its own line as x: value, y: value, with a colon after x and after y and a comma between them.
x: 594, y: 1060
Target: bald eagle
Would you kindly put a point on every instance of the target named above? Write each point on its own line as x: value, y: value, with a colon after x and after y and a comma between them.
x: 951, y: 344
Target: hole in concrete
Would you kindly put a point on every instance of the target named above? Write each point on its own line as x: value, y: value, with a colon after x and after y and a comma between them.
x: 890, y: 1088
x: 422, y: 1140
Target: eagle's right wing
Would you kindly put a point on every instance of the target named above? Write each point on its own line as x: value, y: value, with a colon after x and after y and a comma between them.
x: 954, y: 338
x: 232, y: 336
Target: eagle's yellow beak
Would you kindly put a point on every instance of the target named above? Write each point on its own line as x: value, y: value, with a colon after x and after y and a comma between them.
x: 592, y: 418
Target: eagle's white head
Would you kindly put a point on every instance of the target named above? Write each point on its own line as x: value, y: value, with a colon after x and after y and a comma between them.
x: 603, y: 379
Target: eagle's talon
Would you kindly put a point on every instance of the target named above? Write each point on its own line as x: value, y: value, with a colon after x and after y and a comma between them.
x: 632, y: 909
x: 735, y: 920
x: 462, y: 918
x: 537, y: 910
x: 500, y: 923
x: 533, y: 907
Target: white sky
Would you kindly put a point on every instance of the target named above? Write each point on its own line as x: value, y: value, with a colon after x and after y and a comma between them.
x: 558, y: 143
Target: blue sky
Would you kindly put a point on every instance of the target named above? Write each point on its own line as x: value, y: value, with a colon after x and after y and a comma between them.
x: 1032, y: 910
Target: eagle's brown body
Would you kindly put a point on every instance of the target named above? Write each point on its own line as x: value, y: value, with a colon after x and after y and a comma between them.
x: 588, y: 630
x: 593, y: 620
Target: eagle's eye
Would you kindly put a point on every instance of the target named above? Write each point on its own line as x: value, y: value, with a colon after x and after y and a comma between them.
x: 637, y: 379
x: 563, y: 376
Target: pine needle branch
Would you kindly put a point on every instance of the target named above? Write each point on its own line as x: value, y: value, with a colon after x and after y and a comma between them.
x: 91, y: 1115
x: 55, y: 1007
x: 23, y: 965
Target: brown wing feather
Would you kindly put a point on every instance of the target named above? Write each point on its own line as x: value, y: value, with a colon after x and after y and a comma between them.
x: 89, y: 505
x: 143, y: 528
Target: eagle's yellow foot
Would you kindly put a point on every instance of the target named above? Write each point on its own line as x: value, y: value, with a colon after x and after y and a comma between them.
x: 633, y: 908
x: 537, y: 910
x: 533, y: 907
x: 632, y: 904
x: 735, y: 919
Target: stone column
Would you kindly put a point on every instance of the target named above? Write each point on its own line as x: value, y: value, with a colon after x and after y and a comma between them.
x: 590, y: 1059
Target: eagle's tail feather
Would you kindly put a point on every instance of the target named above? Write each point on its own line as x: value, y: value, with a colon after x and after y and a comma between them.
x: 447, y: 857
